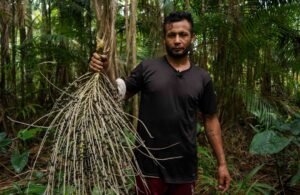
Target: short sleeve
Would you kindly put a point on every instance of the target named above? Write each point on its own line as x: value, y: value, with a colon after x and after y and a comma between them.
x: 134, y: 82
x: 208, y: 103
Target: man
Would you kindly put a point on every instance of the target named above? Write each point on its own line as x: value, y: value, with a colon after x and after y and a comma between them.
x: 173, y: 90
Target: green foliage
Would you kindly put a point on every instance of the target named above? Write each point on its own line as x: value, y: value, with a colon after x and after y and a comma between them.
x: 260, y: 109
x: 38, y: 174
x: 29, y: 189
x: 274, y: 139
x: 27, y: 111
x: 17, y: 188
x: 206, y: 161
x: 4, y: 141
x: 207, y: 164
x: 247, y: 187
x: 296, y: 178
x: 273, y: 135
x: 26, y: 134
x: 268, y: 142
x: 292, y: 127
x: 35, y: 189
x: 67, y: 190
x: 19, y: 160
x: 199, y: 128
x: 97, y: 191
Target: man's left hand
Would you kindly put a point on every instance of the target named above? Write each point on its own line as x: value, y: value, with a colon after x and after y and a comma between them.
x: 223, y: 178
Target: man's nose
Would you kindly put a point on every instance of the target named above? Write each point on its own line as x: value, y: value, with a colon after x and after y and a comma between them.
x: 177, y: 39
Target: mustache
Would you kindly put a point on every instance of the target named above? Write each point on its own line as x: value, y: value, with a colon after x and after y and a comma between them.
x: 184, y: 52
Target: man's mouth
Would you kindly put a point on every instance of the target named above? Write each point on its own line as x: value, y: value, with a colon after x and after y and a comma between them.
x: 178, y: 49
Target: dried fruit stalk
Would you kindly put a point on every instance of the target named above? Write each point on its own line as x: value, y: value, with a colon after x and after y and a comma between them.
x: 93, y: 142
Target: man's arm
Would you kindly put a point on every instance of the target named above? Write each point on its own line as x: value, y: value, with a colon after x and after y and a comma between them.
x: 99, y: 63
x: 213, y: 132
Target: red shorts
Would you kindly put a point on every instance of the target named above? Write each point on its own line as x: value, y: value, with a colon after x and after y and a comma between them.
x: 156, y: 186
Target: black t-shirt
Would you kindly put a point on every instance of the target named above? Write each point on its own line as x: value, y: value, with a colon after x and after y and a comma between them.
x: 168, y: 107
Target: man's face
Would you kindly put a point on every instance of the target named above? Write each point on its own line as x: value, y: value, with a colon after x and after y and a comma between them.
x: 178, y: 38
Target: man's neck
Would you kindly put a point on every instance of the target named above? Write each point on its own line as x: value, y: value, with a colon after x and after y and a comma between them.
x: 179, y: 64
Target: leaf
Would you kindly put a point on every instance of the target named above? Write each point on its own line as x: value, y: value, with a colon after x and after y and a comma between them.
x: 296, y: 178
x: 96, y: 191
x: 199, y: 128
x: 252, y: 173
x: 69, y: 190
x: 4, y: 141
x: 264, y: 188
x: 38, y: 174
x: 260, y: 108
x: 35, y: 189
x: 297, y: 141
x: 26, y: 134
x: 295, y: 127
x: 268, y: 142
x: 248, y: 177
x: 17, y: 187
x: 19, y: 161
x: 254, y: 128
x: 283, y: 127
x: 262, y: 191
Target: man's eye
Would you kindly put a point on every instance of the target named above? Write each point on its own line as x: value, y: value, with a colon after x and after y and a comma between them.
x: 183, y: 34
x: 171, y: 35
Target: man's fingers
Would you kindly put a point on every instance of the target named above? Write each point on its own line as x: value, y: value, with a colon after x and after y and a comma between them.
x: 95, y: 67
x: 98, y: 62
x: 221, y: 183
x: 227, y: 183
x: 223, y: 178
x: 221, y: 187
x: 103, y: 57
x: 95, y: 55
x: 224, y: 183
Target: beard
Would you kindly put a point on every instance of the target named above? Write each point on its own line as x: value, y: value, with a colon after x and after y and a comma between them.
x: 184, y: 53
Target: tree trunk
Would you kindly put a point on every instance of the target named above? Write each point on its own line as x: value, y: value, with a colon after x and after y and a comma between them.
x: 45, y: 30
x: 187, y: 5
x: 266, y: 76
x: 204, y: 56
x: 29, y: 57
x: 21, y: 21
x: 14, y: 52
x: 131, y: 54
x: 89, y: 27
x: 157, y: 31
x: 5, y: 59
x: 128, y: 38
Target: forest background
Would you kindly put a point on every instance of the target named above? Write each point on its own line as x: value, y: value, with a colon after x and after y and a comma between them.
x: 250, y: 47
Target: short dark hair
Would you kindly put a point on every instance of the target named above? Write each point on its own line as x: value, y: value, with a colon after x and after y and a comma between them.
x: 177, y: 16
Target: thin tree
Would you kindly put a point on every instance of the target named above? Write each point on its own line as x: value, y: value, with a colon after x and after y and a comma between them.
x: 13, y: 52
x: 22, y: 30
x: 5, y: 58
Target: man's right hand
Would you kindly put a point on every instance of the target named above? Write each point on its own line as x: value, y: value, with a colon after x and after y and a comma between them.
x: 98, y: 63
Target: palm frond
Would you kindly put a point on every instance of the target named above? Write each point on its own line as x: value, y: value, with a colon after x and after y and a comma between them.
x: 260, y: 108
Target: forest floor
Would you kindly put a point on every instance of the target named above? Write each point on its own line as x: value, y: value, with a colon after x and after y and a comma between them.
x: 237, y: 140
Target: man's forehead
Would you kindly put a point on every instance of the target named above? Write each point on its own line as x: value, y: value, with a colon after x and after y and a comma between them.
x: 180, y: 24
x: 169, y: 26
